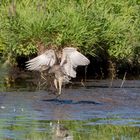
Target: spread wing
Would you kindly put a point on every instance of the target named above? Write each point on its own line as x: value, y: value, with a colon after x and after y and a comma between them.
x: 71, y: 58
x: 43, y: 61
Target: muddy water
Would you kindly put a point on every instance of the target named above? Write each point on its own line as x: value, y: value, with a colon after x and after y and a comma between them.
x: 100, y: 110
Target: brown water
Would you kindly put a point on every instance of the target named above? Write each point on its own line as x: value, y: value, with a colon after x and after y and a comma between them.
x: 96, y: 111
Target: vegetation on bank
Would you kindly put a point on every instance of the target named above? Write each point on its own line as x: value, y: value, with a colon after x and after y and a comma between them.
x: 73, y: 130
x: 104, y: 27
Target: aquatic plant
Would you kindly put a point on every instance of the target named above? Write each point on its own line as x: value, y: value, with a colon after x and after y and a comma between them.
x: 77, y: 130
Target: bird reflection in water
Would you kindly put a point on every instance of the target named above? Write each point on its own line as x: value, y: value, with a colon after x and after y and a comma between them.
x: 62, y: 66
x: 60, y: 132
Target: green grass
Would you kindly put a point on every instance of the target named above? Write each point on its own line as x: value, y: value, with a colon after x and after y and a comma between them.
x: 79, y: 130
x: 91, y: 26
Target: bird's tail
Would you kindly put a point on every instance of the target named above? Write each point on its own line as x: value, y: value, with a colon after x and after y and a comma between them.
x: 66, y: 79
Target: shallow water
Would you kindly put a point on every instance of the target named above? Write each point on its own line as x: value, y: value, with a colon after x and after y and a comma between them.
x: 96, y: 111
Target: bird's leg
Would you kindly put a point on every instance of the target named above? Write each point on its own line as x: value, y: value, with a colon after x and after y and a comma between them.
x: 60, y: 80
x: 55, y: 84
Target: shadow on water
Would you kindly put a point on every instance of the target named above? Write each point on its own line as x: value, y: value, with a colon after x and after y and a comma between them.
x: 96, y: 111
x: 59, y: 101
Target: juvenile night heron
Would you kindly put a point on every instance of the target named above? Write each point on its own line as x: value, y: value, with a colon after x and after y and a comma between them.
x: 63, y: 70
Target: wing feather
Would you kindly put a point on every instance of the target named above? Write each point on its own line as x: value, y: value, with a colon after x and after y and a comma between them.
x: 46, y: 60
x: 69, y: 70
x: 71, y: 58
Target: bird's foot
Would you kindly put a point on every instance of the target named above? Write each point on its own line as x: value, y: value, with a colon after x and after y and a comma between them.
x: 58, y: 95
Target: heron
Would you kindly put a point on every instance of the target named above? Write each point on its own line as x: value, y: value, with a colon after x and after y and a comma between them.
x: 63, y: 70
